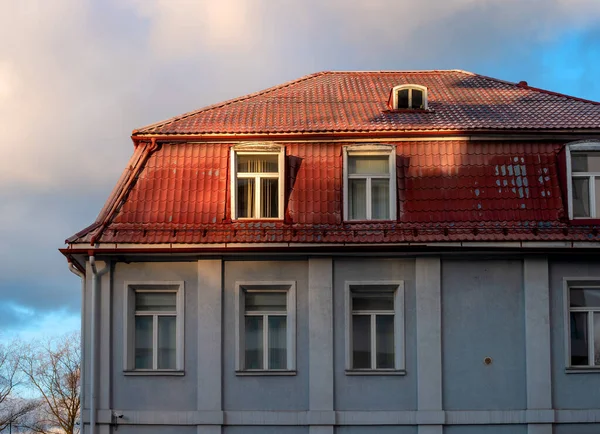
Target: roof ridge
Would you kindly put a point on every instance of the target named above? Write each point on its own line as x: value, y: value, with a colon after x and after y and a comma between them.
x: 538, y: 89
x: 230, y: 101
x: 397, y: 71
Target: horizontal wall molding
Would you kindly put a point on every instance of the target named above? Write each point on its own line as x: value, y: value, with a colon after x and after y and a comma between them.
x: 349, y: 418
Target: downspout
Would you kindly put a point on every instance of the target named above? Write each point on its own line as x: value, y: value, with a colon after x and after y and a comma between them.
x: 95, y: 276
x: 73, y: 269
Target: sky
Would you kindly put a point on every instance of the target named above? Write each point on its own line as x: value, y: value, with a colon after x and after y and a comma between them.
x: 77, y: 76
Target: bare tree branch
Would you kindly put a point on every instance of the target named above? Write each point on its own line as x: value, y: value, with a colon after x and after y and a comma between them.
x: 12, y: 408
x: 53, y: 369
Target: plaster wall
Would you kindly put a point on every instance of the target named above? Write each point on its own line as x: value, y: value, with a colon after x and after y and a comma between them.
x: 577, y: 428
x: 374, y: 392
x: 265, y: 392
x: 164, y: 393
x: 483, y: 316
x: 485, y: 429
x: 265, y: 430
x: 376, y: 430
x: 570, y: 390
x: 156, y: 429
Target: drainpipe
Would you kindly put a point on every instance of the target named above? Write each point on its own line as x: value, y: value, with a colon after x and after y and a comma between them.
x: 73, y: 269
x: 95, y: 286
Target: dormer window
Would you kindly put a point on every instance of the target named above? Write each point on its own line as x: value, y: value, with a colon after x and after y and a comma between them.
x: 583, y: 165
x: 257, y: 182
x: 409, y: 97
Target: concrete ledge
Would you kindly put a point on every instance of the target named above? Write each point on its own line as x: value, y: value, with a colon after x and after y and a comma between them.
x: 350, y: 418
x: 430, y: 417
x: 483, y: 417
x: 266, y: 418
x: 578, y: 416
x: 376, y: 418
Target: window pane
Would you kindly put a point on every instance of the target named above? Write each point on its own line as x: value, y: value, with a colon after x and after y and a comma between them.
x: 578, y: 162
x: 403, y: 98
x: 254, y: 342
x: 581, y: 197
x: 369, y: 164
x: 269, y: 197
x: 417, y: 99
x: 585, y: 161
x: 370, y: 301
x: 584, y: 297
x: 579, y: 339
x: 143, y: 342
x: 357, y: 197
x: 380, y: 199
x: 266, y: 301
x: 384, y: 325
x: 596, y: 338
x: 167, y: 338
x: 361, y: 341
x: 277, y: 342
x: 245, y: 198
x: 155, y: 301
x: 257, y: 163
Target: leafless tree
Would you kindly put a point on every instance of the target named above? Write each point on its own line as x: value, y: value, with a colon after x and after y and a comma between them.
x: 12, y: 407
x: 53, y: 369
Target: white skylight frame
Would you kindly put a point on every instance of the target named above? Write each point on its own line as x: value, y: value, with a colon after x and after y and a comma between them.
x: 423, y: 89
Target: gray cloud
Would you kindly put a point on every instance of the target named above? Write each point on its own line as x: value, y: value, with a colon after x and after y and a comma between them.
x: 76, y: 76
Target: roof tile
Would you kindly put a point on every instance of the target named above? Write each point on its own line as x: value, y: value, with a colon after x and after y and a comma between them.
x: 471, y: 190
x: 357, y: 102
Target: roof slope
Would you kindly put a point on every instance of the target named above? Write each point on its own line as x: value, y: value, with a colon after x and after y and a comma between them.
x: 357, y: 102
x: 450, y: 190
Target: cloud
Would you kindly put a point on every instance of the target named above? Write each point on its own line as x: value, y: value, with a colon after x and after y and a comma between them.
x: 180, y: 28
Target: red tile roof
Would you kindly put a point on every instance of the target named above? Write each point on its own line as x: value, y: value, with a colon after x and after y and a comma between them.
x: 357, y: 102
x: 448, y: 190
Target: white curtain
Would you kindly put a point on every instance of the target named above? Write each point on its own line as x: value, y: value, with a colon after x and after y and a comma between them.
x: 277, y: 342
x: 167, y: 338
x: 380, y: 199
x: 358, y: 199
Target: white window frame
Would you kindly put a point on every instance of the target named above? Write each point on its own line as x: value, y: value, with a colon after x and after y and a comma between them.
x: 130, y: 289
x: 257, y: 149
x: 370, y: 150
x: 579, y: 283
x: 400, y: 87
x: 399, y: 339
x: 241, y: 288
x: 585, y: 146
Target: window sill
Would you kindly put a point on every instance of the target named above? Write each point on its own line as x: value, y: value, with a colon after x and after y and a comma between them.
x: 409, y: 110
x: 258, y: 220
x: 582, y: 370
x: 264, y: 373
x: 584, y: 221
x: 154, y: 373
x: 375, y: 372
x: 354, y: 222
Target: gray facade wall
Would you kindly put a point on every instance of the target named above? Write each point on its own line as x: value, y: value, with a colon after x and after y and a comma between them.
x: 481, y: 306
x: 570, y: 391
x: 260, y: 393
x: 140, y: 393
x: 376, y: 392
x: 483, y: 316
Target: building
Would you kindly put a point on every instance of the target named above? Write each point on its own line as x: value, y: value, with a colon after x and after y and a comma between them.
x: 351, y: 252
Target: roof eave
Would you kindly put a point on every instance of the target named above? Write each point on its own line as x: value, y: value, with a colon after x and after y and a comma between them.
x: 327, y: 135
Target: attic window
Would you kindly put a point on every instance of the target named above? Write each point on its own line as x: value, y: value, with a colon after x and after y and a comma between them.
x: 257, y: 182
x: 583, y: 168
x: 409, y: 97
